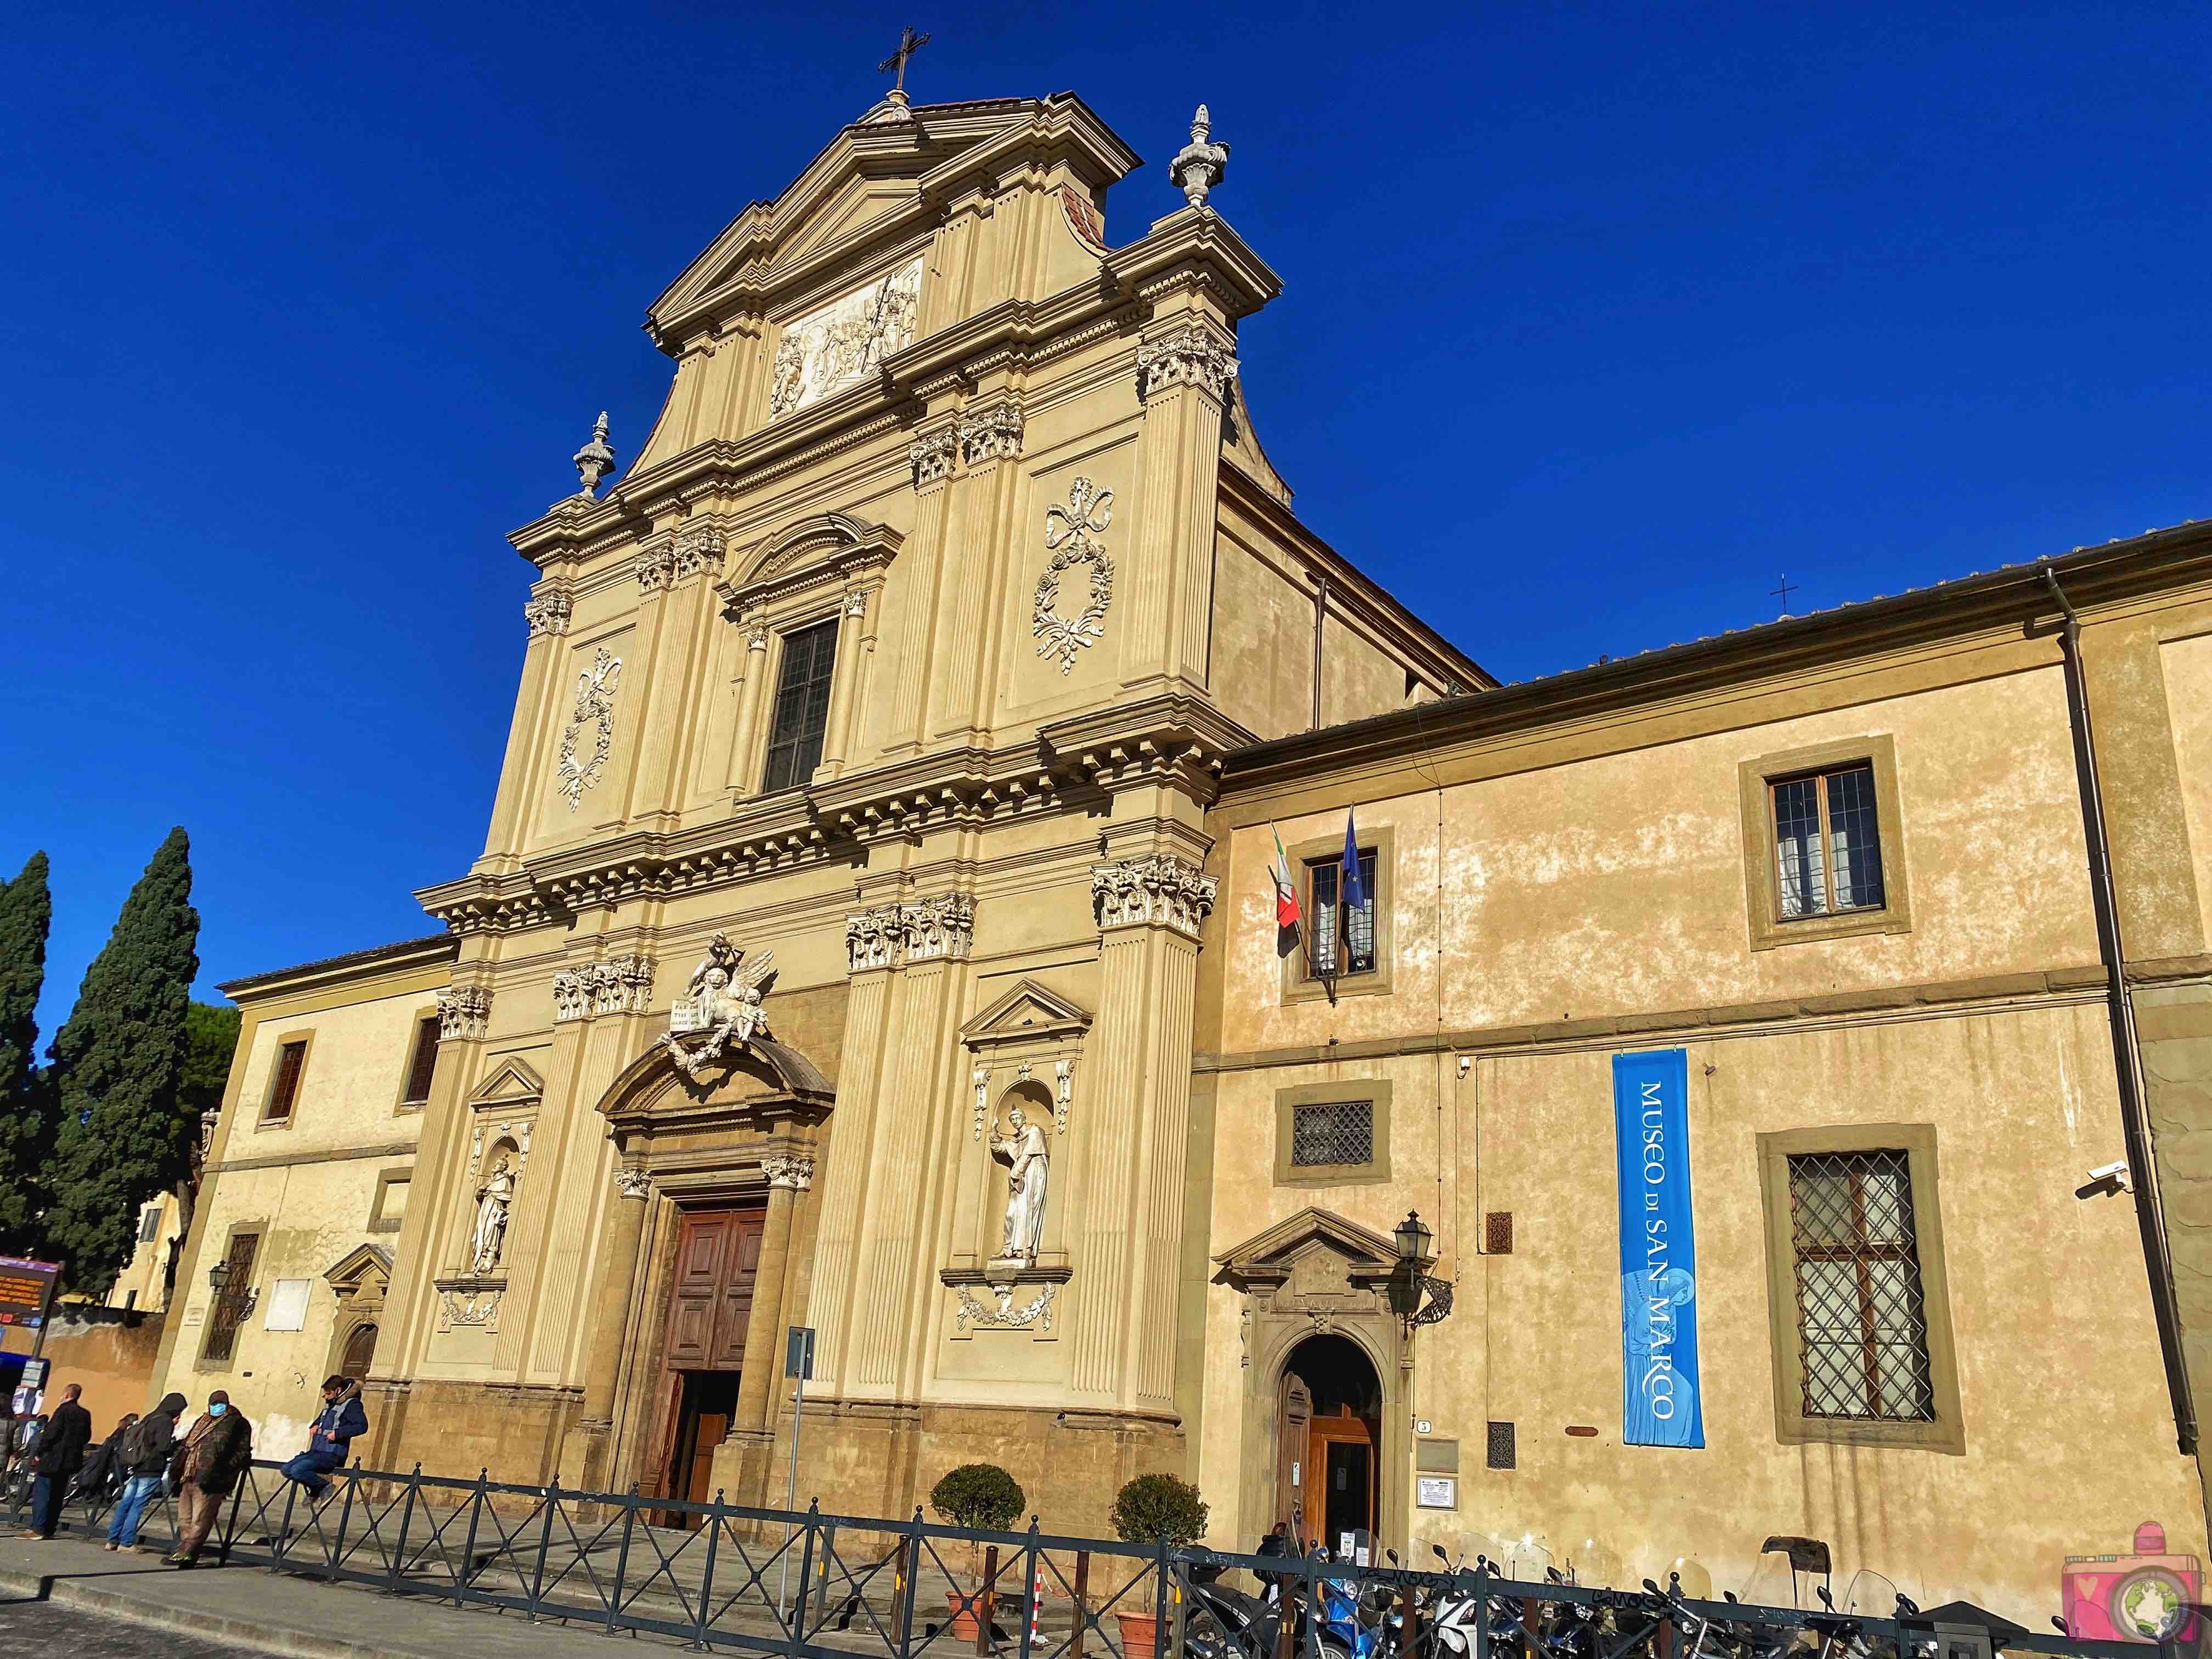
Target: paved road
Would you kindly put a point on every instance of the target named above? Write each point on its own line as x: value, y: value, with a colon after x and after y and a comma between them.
x: 39, y: 1630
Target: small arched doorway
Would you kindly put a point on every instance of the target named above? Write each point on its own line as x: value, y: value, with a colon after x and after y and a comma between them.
x: 360, y: 1350
x: 1329, y: 1442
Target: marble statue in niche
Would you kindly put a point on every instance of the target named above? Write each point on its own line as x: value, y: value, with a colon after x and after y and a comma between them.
x: 1022, y: 1149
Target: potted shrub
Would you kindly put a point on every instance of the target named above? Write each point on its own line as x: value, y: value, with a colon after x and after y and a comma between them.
x: 983, y: 1498
x: 1154, y: 1509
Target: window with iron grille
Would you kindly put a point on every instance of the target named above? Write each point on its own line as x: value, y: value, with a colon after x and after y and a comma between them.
x: 802, y: 707
x: 1327, y: 1132
x: 1861, y: 1310
x: 1501, y: 1449
x: 284, y: 1088
x: 423, y: 1064
x: 1343, y: 936
x: 230, y: 1303
x: 1827, y: 841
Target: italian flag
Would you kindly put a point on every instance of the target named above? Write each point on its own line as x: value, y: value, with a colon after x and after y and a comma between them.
x: 1286, y: 890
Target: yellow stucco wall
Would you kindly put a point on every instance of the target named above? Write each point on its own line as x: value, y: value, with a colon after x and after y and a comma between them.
x: 1577, y: 894
x: 311, y: 1188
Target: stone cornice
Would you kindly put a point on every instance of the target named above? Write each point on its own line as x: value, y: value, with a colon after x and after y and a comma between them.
x: 1175, y: 738
x: 795, y: 829
x: 1195, y: 247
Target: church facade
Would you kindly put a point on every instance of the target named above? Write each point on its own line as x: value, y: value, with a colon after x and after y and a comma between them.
x: 878, y: 931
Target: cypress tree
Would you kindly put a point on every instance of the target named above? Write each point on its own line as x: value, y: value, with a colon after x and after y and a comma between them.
x: 118, y: 1066
x: 26, y: 909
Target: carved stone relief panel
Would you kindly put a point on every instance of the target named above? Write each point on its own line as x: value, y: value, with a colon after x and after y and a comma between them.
x: 590, y: 733
x: 839, y: 345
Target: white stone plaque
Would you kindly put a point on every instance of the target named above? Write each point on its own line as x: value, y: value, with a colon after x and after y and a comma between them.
x: 287, y: 1305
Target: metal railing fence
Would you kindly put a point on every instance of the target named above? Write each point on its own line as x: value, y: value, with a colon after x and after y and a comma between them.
x: 812, y: 1585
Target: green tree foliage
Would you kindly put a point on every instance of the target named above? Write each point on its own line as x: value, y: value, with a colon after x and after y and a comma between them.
x: 210, y: 1040
x: 119, y: 1063
x: 26, y: 908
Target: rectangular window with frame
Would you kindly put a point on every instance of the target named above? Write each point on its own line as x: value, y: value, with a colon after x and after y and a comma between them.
x: 284, y: 1086
x: 423, y: 1062
x: 1863, y: 1352
x: 1343, y: 935
x: 801, y: 716
x: 1827, y: 843
x: 231, y: 1303
x: 1333, y: 1134
x: 149, y: 1222
x: 1862, y: 1313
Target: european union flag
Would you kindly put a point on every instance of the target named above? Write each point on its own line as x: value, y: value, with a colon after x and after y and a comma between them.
x: 1355, y: 896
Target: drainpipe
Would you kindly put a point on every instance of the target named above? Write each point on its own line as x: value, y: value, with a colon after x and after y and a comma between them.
x: 2134, y: 1126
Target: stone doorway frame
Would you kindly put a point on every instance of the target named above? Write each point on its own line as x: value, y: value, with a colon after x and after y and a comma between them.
x: 1316, y: 1274
x: 750, y: 1137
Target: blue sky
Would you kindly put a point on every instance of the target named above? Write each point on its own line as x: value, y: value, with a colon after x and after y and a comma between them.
x: 1596, y: 322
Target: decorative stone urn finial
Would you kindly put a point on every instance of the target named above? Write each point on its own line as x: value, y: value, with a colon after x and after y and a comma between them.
x: 1198, y: 166
x: 595, y: 461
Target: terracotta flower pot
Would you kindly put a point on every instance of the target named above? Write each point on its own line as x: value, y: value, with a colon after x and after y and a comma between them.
x: 1140, y: 1635
x: 967, y: 1610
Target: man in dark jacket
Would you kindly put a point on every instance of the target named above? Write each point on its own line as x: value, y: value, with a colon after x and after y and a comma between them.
x: 60, y: 1455
x: 340, y: 1420
x: 209, y: 1461
x: 146, y: 1458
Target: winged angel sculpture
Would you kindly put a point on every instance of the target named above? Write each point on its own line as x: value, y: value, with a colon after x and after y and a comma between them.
x: 721, y: 1007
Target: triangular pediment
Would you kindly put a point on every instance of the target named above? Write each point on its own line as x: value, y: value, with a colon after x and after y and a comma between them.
x: 876, y: 179
x: 1273, y: 1256
x: 514, y: 1079
x: 363, y: 1267
x: 1029, y: 1012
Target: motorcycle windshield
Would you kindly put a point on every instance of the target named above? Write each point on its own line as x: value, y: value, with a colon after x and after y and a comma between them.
x: 1870, y: 1596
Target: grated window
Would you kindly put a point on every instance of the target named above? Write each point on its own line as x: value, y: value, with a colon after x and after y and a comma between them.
x: 1862, y: 1317
x: 1498, y: 1233
x: 1329, y: 1132
x: 1501, y: 1446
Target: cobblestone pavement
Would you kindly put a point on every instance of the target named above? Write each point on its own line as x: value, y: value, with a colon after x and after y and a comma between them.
x: 39, y: 1630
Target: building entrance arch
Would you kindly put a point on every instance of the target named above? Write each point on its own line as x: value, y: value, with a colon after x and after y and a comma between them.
x: 1329, y: 1444
x: 1328, y: 1373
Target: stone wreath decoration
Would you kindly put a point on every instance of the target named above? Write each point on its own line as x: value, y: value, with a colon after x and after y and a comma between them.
x: 1071, y: 533
x: 595, y: 709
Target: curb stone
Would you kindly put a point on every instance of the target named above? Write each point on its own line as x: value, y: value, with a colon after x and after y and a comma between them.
x: 63, y: 1592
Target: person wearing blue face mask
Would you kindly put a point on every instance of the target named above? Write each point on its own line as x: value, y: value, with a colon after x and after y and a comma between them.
x: 210, y: 1460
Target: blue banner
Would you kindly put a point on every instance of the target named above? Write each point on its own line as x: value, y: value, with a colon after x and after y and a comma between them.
x: 1659, y: 1402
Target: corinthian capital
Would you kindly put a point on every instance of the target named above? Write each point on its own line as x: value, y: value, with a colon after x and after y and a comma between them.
x: 789, y: 1170
x: 463, y: 1011
x: 940, y: 929
x: 931, y: 455
x: 1162, y: 891
x: 874, y: 939
x: 655, y: 564
x: 549, y: 612
x: 1187, y: 356
x: 992, y: 434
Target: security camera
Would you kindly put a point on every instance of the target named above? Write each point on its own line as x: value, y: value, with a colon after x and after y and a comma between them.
x: 2107, y: 1178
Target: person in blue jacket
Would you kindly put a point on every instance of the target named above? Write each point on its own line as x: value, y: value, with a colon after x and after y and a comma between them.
x: 339, y: 1421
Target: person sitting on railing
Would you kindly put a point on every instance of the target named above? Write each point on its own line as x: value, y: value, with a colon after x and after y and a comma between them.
x: 209, y: 1461
x: 339, y: 1421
